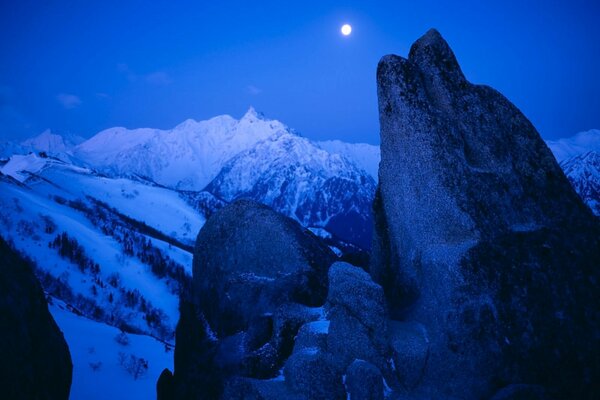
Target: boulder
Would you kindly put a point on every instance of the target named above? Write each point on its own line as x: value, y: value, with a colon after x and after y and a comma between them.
x: 35, y: 362
x: 357, y: 314
x: 314, y: 374
x: 480, y: 237
x: 364, y: 381
x: 312, y: 335
x: 249, y: 260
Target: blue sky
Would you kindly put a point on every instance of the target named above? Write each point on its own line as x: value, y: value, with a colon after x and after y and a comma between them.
x: 82, y: 66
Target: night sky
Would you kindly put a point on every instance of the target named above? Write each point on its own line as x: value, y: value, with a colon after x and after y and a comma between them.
x: 76, y: 67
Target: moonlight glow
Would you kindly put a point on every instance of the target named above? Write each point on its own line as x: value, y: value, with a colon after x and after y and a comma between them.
x: 346, y: 29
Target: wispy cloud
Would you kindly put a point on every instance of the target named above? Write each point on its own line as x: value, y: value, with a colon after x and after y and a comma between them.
x: 253, y: 90
x: 154, y: 78
x: 158, y: 78
x: 102, y: 95
x: 68, y: 101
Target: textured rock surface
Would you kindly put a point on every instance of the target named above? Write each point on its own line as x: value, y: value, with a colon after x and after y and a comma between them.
x: 358, y: 319
x: 364, y: 381
x: 314, y: 374
x: 479, y: 235
x: 249, y: 260
x: 257, y: 276
x: 35, y: 362
x: 410, y: 352
x: 255, y: 389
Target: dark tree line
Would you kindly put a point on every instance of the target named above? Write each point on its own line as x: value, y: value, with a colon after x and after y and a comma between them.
x: 131, y: 235
x: 70, y: 249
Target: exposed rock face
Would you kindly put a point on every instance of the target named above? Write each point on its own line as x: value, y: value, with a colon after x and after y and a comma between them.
x: 248, y: 260
x: 358, y: 318
x: 35, y: 362
x: 314, y: 374
x: 364, y: 381
x: 479, y: 235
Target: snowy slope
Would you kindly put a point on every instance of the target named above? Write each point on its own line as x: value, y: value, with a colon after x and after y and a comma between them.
x: 136, y: 199
x: 299, y: 179
x: 583, y: 171
x: 366, y: 156
x: 98, y: 370
x: 188, y: 156
x: 136, y: 231
x: 32, y: 221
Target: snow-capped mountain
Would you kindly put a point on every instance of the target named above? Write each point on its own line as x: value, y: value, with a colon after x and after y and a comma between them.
x: 186, y: 157
x: 52, y: 143
x: 299, y: 179
x: 573, y: 146
x: 583, y: 171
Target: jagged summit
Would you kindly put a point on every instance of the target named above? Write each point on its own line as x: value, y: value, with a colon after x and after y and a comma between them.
x: 252, y: 114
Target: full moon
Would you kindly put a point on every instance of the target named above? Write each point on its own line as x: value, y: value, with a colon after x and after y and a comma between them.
x: 346, y: 29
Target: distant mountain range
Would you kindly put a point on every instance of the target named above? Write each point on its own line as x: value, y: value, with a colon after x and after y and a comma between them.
x: 326, y: 185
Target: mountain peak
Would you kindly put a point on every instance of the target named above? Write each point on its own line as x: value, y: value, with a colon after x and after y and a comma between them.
x: 252, y: 114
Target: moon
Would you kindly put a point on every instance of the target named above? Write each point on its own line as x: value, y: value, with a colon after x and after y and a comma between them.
x: 346, y: 29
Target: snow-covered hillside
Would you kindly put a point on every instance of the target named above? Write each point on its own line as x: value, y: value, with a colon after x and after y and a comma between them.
x: 100, y: 243
x: 107, y: 363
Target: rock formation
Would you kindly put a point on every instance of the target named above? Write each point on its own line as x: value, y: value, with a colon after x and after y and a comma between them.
x: 479, y: 236
x: 257, y: 278
x: 35, y: 362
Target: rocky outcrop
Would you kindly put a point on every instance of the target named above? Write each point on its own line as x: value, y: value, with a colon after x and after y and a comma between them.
x: 364, y: 381
x: 352, y: 342
x: 248, y: 260
x: 35, y: 362
x: 479, y: 236
x: 257, y: 278
x: 357, y: 315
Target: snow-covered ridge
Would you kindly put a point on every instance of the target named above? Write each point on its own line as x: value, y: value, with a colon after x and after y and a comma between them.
x: 186, y: 157
x: 366, y: 156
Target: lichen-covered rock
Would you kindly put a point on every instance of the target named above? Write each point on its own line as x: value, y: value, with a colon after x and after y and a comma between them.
x: 35, y: 362
x: 314, y: 374
x: 357, y: 314
x: 480, y: 237
x: 364, y: 381
x: 249, y: 260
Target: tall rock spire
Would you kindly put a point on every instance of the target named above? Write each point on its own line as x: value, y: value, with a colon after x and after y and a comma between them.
x: 479, y: 235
